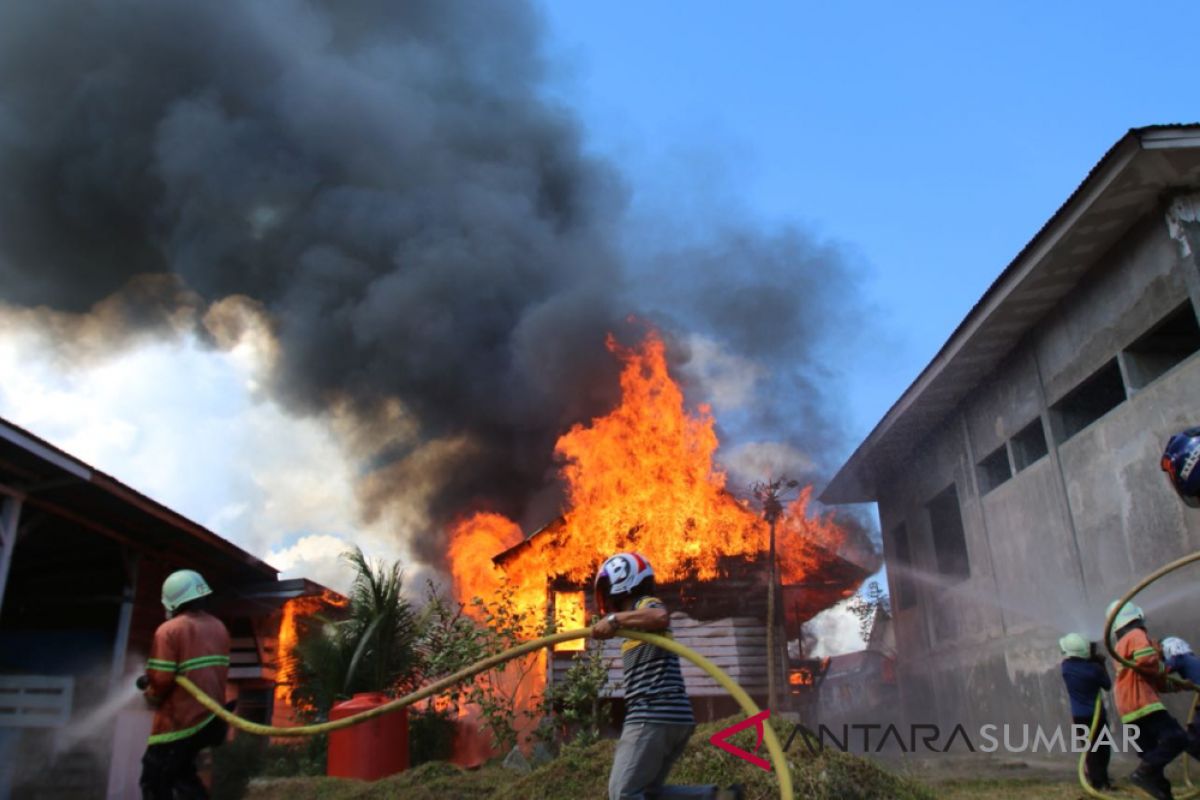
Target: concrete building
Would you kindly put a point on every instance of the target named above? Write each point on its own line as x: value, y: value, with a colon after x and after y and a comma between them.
x: 1018, y: 478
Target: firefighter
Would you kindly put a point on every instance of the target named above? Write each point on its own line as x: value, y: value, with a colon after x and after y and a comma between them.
x: 1085, y: 675
x: 191, y: 642
x: 1160, y: 737
x: 1183, y: 662
x: 1179, y: 461
x: 658, y: 712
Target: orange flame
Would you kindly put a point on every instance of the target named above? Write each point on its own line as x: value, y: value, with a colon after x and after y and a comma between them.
x: 294, y: 610
x: 639, y: 478
x: 804, y: 677
x: 569, y: 614
x: 803, y: 542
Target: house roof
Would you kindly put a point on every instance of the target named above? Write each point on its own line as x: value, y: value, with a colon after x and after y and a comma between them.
x: 45, y: 477
x: 1127, y: 183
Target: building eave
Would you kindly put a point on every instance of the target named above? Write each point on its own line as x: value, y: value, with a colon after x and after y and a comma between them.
x: 47, y: 476
x: 1128, y: 181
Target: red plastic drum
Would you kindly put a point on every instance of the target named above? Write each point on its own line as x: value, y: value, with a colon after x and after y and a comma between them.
x: 370, y: 750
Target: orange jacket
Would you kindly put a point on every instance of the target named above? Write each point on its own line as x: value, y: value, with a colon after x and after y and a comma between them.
x: 1137, y: 691
x: 194, y: 643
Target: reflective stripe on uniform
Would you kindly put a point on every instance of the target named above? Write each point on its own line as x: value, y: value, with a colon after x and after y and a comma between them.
x: 161, y: 665
x: 200, y: 662
x: 1145, y: 710
x: 1145, y: 651
x: 174, y: 736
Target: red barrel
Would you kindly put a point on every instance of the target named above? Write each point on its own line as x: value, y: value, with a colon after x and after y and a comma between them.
x: 369, y: 750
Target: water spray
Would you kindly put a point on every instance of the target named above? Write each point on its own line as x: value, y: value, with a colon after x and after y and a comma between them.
x: 1110, y: 645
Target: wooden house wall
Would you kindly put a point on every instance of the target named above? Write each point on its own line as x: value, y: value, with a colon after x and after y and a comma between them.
x: 738, y: 645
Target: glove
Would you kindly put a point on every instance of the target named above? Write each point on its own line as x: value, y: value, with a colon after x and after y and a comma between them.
x: 143, y: 681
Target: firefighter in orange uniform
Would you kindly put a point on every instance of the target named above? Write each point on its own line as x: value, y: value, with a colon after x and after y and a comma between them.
x: 194, y: 643
x: 1160, y: 737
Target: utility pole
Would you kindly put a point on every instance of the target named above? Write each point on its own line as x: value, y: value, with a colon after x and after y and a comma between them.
x: 770, y: 495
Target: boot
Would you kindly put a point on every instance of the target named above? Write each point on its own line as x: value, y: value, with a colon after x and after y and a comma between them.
x: 1155, y: 786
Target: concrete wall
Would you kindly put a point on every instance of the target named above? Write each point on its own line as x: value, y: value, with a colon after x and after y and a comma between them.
x: 1053, y: 544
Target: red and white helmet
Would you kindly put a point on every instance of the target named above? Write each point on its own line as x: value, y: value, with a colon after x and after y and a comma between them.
x: 620, y: 575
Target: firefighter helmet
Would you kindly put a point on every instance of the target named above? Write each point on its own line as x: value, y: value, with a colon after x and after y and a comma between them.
x: 1074, y: 645
x: 183, y: 586
x: 1179, y: 461
x: 1128, y: 613
x: 1174, y: 646
x: 620, y: 575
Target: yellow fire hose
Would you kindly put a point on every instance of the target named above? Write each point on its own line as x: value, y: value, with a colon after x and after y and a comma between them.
x: 1082, y: 770
x: 778, y: 760
x: 1110, y: 645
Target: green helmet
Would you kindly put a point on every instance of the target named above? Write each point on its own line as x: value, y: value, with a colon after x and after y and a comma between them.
x: 183, y: 586
x: 1073, y: 644
x: 1128, y: 613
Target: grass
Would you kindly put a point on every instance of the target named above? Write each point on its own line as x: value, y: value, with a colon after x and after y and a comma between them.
x: 1001, y: 789
x: 581, y: 773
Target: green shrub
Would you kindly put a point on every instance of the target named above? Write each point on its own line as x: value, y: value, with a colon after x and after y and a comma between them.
x: 290, y: 759
x: 248, y: 756
x: 430, y: 736
x: 234, y: 764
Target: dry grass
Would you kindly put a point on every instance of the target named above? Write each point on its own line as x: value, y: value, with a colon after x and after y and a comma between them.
x: 583, y: 773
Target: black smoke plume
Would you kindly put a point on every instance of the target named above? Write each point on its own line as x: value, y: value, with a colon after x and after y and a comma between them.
x: 388, y: 184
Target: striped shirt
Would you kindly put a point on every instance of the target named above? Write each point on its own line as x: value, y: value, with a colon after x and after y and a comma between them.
x: 654, y: 688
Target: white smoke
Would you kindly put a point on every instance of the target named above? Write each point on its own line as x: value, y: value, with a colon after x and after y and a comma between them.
x: 182, y: 423
x: 836, y: 631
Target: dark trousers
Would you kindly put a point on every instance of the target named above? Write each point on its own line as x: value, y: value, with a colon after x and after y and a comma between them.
x: 1193, y: 735
x: 169, y: 769
x: 1161, y: 739
x: 1096, y: 761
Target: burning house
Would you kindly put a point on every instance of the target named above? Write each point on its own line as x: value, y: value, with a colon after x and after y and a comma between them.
x: 642, y: 478
x: 81, y: 568
x: 1018, y: 478
x: 724, y: 619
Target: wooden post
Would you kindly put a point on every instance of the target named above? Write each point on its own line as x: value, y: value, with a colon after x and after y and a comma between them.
x: 770, y: 494
x: 125, y: 620
x: 10, y: 516
x: 771, y: 647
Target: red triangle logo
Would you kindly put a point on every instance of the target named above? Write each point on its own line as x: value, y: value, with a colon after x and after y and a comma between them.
x: 721, y: 737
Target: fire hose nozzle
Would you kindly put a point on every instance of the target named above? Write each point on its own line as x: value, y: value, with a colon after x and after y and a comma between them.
x: 142, y: 682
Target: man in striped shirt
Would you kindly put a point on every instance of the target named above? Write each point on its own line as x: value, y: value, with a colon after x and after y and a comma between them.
x: 658, y: 712
x: 194, y: 643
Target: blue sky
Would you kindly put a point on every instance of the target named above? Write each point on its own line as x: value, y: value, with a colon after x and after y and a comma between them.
x: 930, y: 141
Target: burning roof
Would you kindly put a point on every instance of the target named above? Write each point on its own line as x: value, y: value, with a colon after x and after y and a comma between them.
x: 832, y: 579
x: 643, y: 478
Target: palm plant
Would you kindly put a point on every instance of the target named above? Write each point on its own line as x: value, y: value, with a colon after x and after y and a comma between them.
x: 372, y: 650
